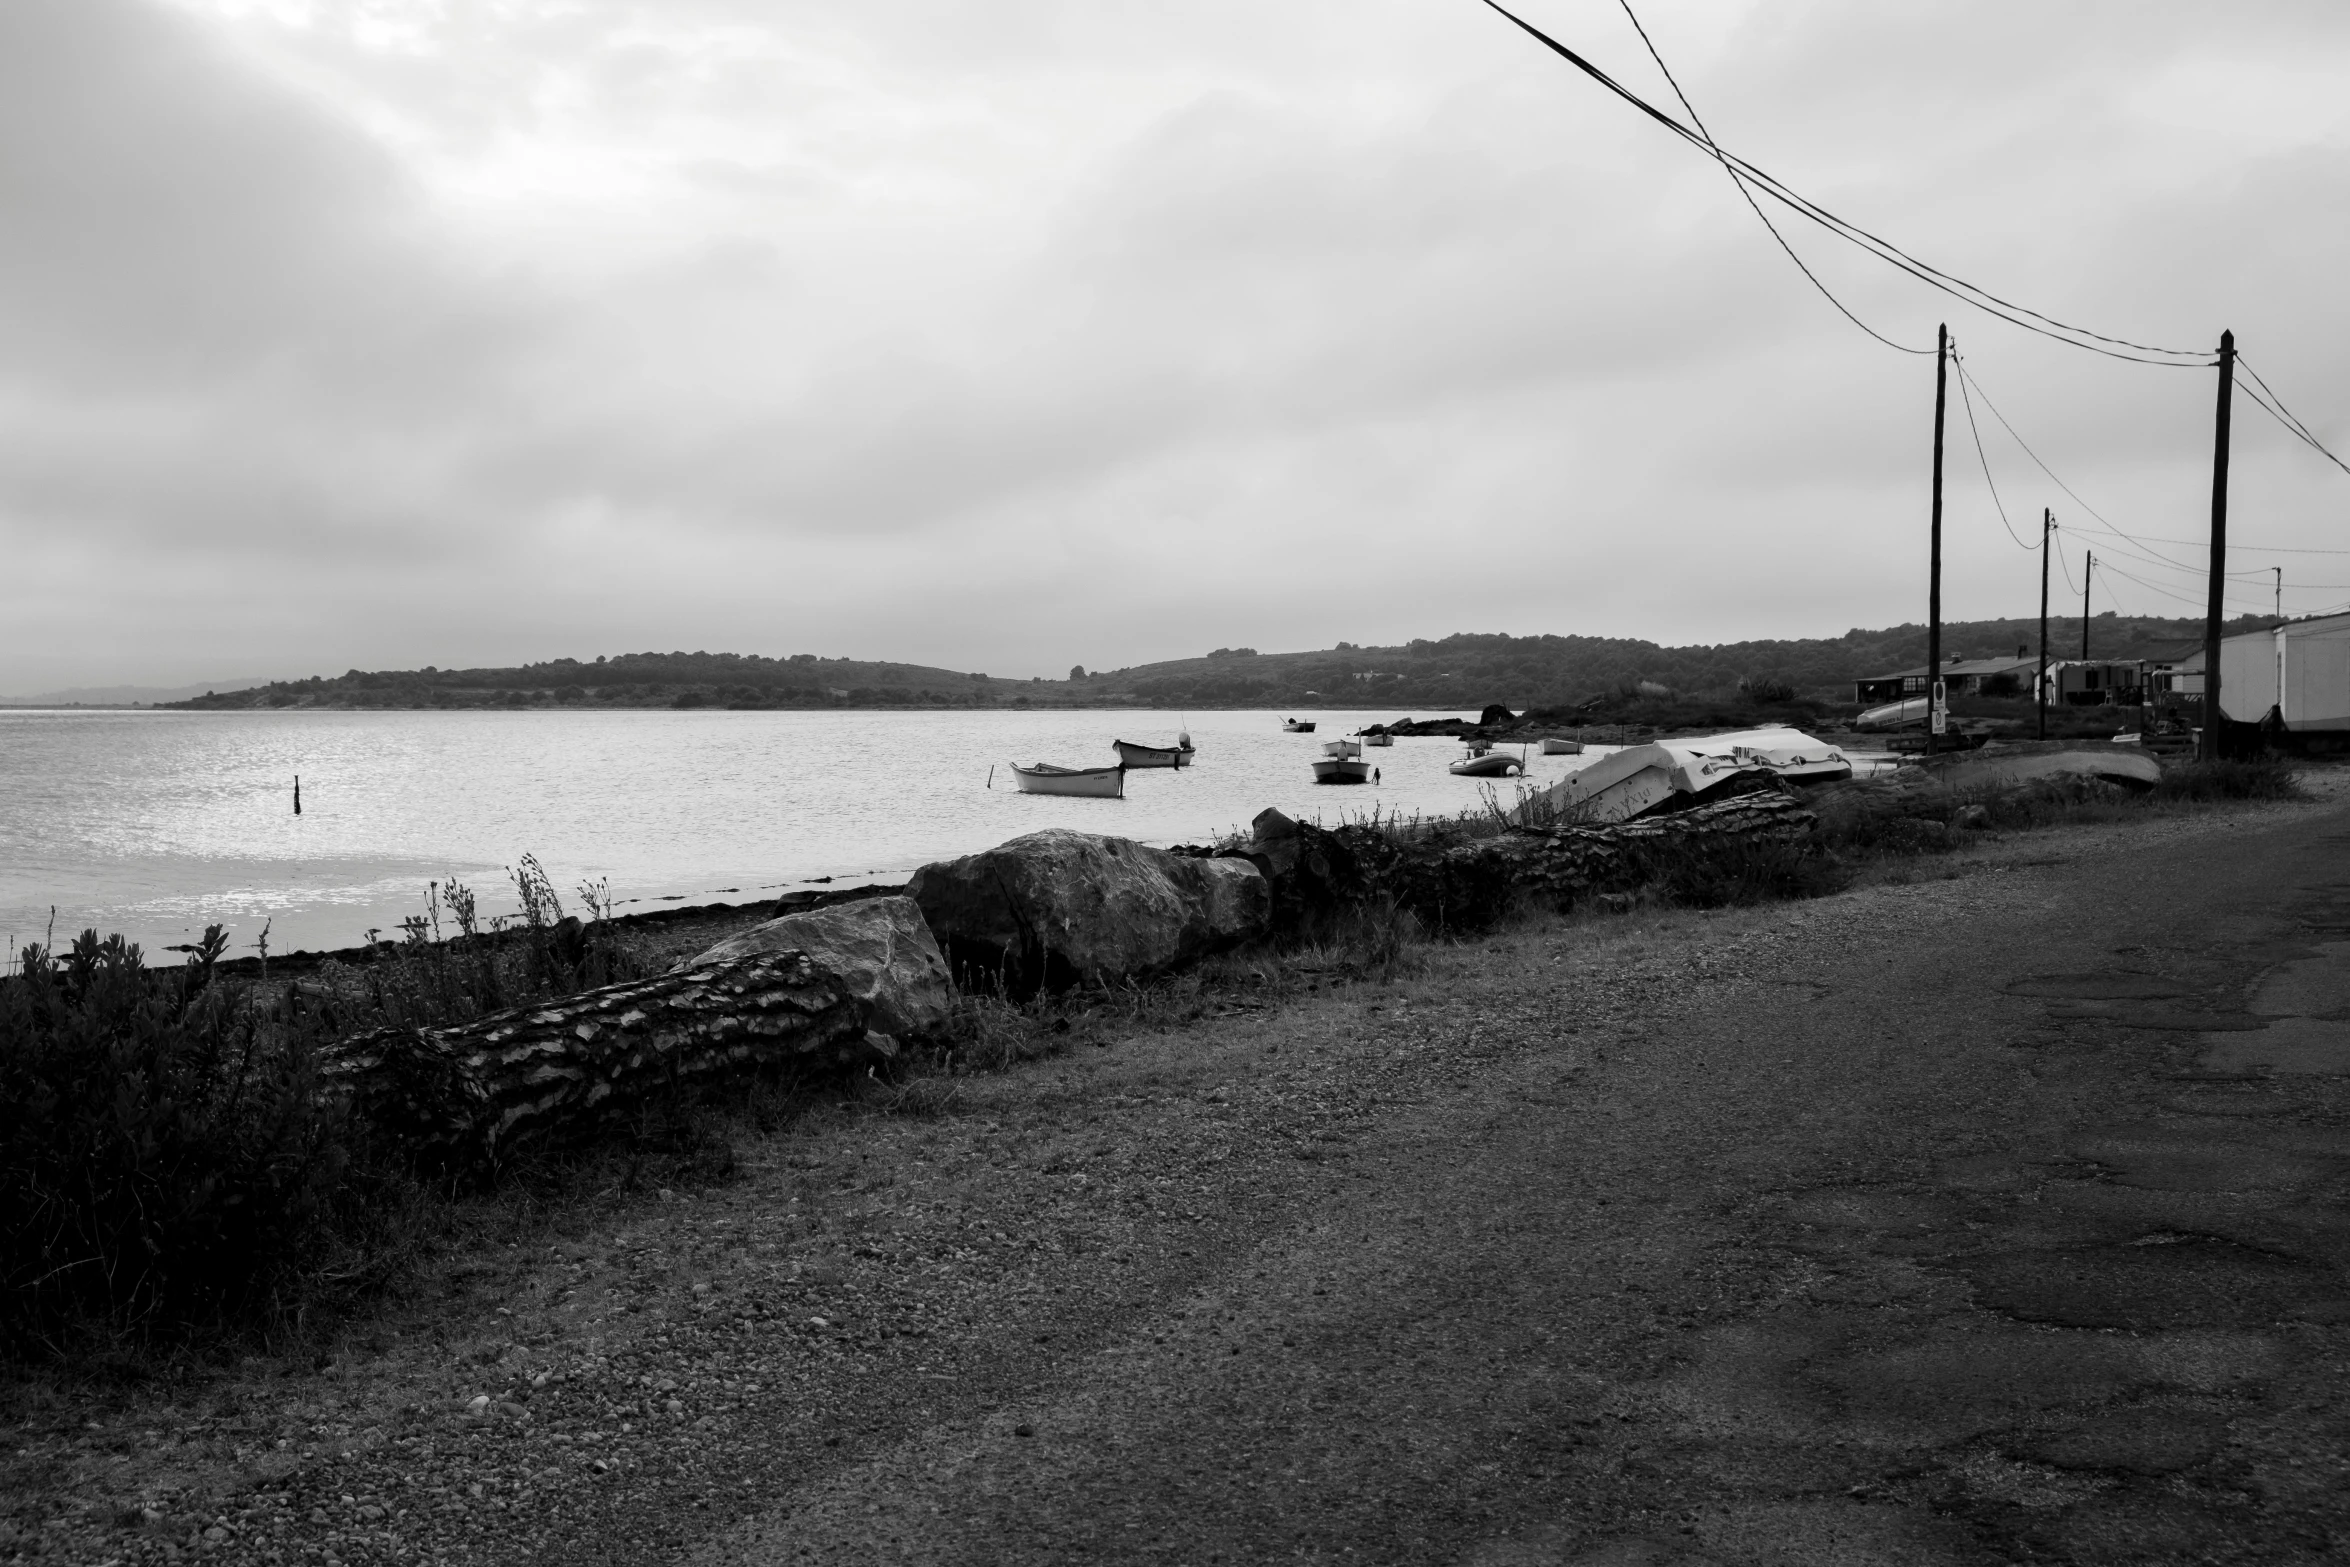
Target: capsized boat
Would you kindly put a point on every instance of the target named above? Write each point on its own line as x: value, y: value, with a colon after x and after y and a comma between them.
x: 1096, y: 783
x: 1297, y: 726
x: 1342, y: 770
x: 1485, y: 762
x: 1132, y: 755
x: 1342, y: 748
x: 1554, y: 747
x: 1639, y: 778
x: 1894, y: 715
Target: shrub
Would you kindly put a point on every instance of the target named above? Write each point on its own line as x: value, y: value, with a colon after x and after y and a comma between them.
x: 165, y: 1161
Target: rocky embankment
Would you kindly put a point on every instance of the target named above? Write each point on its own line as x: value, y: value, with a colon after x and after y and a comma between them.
x: 853, y: 984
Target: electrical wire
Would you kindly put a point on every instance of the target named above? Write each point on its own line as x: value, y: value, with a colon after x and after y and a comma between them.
x: 1980, y: 456
x: 2139, y: 543
x: 1958, y: 288
x: 1736, y: 179
x: 2274, y: 407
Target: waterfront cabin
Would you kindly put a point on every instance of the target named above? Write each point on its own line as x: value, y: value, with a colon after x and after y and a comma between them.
x: 1960, y: 677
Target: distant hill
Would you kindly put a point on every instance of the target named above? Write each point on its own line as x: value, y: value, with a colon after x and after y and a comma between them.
x: 1462, y: 672
x: 123, y: 696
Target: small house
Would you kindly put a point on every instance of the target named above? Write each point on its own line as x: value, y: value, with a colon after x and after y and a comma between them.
x: 2096, y: 682
x: 1960, y: 677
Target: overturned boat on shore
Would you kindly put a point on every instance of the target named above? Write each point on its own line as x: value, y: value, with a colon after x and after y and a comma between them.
x: 1095, y: 783
x: 1641, y: 778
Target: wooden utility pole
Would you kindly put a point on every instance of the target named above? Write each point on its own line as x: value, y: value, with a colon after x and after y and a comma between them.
x: 2088, y: 570
x: 1935, y: 719
x: 2219, y: 548
x: 2040, y: 685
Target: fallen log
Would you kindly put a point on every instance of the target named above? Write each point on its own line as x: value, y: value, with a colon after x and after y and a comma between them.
x: 468, y: 1094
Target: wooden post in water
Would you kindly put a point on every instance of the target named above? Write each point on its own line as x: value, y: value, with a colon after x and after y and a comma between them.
x: 297, y: 794
x: 2040, y: 686
x: 1934, y: 718
x: 2214, y: 608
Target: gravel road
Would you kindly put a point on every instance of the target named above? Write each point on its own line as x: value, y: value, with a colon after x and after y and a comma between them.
x: 1989, y: 1217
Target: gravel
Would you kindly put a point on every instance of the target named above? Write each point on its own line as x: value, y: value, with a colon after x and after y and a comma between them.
x: 631, y: 1389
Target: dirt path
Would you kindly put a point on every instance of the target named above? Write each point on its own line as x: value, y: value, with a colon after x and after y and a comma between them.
x: 1989, y: 1218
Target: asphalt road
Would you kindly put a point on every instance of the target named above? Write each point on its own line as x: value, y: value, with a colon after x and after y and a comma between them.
x: 1989, y: 1219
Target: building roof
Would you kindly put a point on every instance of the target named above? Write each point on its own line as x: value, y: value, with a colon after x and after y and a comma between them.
x: 1963, y: 668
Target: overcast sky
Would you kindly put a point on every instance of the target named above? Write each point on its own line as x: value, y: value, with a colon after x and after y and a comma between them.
x: 1015, y: 334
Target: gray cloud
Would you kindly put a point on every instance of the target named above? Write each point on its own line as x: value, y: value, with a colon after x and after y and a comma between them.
x: 1095, y: 332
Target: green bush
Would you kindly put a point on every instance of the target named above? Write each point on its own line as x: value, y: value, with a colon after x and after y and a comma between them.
x: 165, y: 1162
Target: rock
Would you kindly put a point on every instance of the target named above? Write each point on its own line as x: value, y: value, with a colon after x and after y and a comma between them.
x: 880, y: 949
x: 1059, y: 908
x: 1310, y: 872
x: 1496, y: 716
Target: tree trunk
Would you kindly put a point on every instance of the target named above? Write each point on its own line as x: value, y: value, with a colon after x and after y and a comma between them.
x: 467, y: 1094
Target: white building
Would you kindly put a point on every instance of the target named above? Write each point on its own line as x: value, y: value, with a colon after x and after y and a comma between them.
x: 2300, y: 669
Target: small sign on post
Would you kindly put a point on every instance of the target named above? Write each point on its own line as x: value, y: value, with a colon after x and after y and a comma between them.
x: 1937, y: 716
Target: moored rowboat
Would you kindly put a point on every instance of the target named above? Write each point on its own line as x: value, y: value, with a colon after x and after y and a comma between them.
x: 1342, y: 748
x: 1132, y: 755
x: 1099, y: 783
x: 1297, y: 726
x: 1551, y: 747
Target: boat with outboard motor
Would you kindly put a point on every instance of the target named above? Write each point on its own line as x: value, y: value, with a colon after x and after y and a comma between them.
x: 1094, y: 783
x: 1484, y: 762
x: 1297, y: 726
x: 1133, y: 755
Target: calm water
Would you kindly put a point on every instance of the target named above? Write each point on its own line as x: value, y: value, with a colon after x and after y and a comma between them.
x: 156, y: 824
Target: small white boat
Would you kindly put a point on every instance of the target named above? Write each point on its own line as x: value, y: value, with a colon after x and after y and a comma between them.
x: 1487, y: 763
x: 1342, y: 748
x: 1562, y: 747
x: 1894, y: 715
x: 1297, y: 726
x: 1342, y: 770
x: 1096, y: 783
x: 1132, y: 755
x: 1379, y: 739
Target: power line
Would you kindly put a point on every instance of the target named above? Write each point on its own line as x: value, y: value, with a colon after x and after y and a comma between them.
x: 1735, y: 179
x: 1973, y: 294
x: 2274, y: 407
x: 1976, y: 431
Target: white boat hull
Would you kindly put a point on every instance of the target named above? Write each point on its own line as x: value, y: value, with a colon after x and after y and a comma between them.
x: 1562, y: 748
x: 1091, y: 783
x: 1341, y: 770
x: 1342, y: 748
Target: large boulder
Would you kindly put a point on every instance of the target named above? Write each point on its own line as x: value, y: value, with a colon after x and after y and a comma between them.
x: 1309, y: 870
x: 879, y: 949
x: 1057, y: 908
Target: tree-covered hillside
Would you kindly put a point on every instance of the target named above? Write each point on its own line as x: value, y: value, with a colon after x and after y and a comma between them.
x: 1462, y: 672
